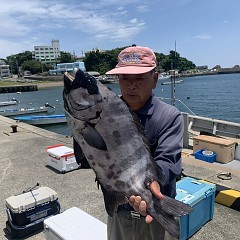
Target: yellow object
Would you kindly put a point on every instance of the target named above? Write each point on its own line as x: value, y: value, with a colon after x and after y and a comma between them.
x: 227, y: 197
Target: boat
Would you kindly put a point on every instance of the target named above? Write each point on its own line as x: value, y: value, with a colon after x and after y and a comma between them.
x: 8, y: 103
x: 163, y: 77
x: 171, y: 82
x: 22, y: 111
x: 104, y: 80
x: 42, y: 119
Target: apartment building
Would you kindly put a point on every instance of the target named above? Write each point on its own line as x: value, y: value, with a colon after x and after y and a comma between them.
x: 4, y: 70
x: 47, y: 54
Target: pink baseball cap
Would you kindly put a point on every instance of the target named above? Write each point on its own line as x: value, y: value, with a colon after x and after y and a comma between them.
x: 135, y: 60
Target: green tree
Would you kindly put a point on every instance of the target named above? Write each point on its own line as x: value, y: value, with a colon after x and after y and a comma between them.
x: 174, y: 61
x: 66, y: 57
x: 34, y: 66
x: 92, y: 61
x: 16, y: 61
x: 102, y: 61
x: 2, y: 59
x: 97, y: 61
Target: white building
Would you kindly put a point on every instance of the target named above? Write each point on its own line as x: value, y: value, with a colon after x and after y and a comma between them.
x: 47, y: 54
x: 4, y: 70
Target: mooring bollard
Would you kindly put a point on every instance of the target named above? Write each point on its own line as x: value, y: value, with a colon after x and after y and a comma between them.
x: 14, y: 128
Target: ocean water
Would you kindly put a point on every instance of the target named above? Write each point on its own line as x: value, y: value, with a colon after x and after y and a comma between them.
x: 214, y: 96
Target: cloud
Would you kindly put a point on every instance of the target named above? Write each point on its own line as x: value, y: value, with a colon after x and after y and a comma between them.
x: 106, y: 20
x: 203, y: 36
x: 47, y: 15
x: 143, y: 8
x: 9, y: 47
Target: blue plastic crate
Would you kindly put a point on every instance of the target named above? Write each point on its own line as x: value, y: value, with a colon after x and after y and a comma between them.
x: 201, y: 196
x: 199, y: 155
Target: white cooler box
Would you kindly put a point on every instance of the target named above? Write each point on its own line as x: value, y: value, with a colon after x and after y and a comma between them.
x: 62, y: 158
x: 74, y: 224
x: 27, y: 211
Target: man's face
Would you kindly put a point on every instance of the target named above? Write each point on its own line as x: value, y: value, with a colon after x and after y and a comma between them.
x: 137, y: 88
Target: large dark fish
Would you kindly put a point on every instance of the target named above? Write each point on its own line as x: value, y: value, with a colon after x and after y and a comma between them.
x: 116, y: 148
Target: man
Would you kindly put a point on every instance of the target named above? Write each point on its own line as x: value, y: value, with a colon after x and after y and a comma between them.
x: 163, y: 125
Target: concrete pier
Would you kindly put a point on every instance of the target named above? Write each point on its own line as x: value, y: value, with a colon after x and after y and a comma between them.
x: 18, y: 88
x: 23, y: 164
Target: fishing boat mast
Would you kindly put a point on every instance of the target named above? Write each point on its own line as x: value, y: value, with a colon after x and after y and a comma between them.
x: 173, y: 78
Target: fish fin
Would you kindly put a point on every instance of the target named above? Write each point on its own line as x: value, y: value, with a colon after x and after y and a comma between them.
x: 166, y: 211
x: 93, y: 138
x: 77, y: 151
x: 160, y: 174
x: 79, y: 155
x: 168, y: 221
x: 112, y: 200
x: 141, y: 131
x: 175, y: 207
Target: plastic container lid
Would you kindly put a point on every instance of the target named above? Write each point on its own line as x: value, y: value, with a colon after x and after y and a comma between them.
x: 22, y: 202
x: 207, y: 153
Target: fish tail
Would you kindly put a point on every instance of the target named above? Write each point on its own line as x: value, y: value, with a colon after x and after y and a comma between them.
x: 168, y: 221
x: 175, y: 207
x: 167, y: 211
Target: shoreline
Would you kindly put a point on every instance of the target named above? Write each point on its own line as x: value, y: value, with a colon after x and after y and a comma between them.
x: 10, y: 82
x: 43, y: 85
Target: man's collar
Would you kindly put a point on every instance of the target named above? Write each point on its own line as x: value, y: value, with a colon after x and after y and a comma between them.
x: 147, y: 109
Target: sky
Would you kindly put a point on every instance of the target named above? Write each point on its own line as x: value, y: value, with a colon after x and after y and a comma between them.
x: 206, y: 32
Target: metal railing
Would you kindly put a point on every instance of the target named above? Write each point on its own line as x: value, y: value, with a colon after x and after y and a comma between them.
x: 180, y: 102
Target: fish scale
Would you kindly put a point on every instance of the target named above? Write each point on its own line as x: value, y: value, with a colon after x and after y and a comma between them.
x: 113, y: 141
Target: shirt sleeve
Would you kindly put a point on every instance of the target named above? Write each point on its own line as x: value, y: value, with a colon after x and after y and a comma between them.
x: 169, y: 145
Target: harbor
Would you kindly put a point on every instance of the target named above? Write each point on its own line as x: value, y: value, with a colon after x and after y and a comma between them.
x: 25, y: 158
x: 45, y: 193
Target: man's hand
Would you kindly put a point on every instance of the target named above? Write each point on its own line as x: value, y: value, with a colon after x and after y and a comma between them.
x: 141, y: 206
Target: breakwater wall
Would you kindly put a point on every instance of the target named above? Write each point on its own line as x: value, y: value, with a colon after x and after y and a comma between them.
x: 18, y: 88
x: 44, y: 78
x: 228, y: 70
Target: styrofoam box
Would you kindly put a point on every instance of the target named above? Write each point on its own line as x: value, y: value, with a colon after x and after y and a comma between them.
x: 62, y: 158
x: 201, y: 196
x: 224, y: 148
x: 74, y: 224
